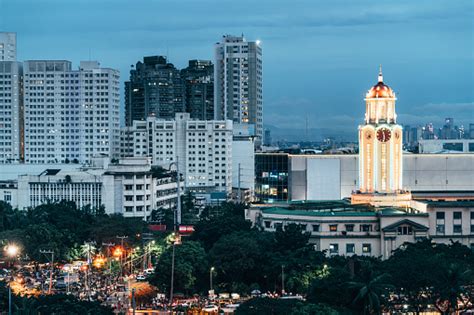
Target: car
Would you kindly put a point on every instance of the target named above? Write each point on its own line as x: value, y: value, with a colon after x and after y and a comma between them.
x: 141, y: 277
x: 210, y: 309
x: 149, y: 271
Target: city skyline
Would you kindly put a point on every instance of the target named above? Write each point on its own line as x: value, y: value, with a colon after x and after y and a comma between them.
x: 418, y: 42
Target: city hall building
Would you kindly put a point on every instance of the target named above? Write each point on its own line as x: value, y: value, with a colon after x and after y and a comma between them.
x: 388, y: 198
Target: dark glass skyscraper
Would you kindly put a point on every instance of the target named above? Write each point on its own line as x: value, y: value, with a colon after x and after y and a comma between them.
x: 199, y: 89
x: 155, y: 89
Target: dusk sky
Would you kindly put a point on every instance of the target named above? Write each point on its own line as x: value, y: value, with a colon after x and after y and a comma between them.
x: 319, y: 57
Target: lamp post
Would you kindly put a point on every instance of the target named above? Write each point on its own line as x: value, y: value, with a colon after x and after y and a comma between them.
x: 12, y: 251
x: 211, y: 271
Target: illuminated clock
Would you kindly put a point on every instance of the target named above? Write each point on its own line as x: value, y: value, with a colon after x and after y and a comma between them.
x: 383, y: 134
x: 368, y: 135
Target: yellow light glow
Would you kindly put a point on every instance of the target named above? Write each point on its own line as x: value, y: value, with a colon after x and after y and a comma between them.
x: 11, y: 250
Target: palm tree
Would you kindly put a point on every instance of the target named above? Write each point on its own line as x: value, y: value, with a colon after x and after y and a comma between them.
x: 370, y: 288
x: 88, y: 250
x: 452, y: 289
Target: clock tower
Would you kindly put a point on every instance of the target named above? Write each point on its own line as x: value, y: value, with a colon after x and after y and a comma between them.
x: 380, y: 151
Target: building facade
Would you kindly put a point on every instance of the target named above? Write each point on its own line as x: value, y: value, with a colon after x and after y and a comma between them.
x: 70, y: 115
x: 202, y: 148
x: 127, y: 188
x: 11, y: 112
x: 446, y: 146
x: 7, y: 46
x: 238, y: 94
x: 340, y: 228
x: 155, y: 89
x: 380, y: 150
x: 198, y: 79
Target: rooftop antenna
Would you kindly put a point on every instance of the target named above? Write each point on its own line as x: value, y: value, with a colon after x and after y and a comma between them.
x: 380, y: 73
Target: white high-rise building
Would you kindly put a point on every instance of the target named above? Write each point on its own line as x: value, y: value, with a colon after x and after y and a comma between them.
x: 10, y: 100
x: 7, y: 46
x: 10, y: 112
x: 203, y: 148
x: 238, y: 82
x: 70, y: 115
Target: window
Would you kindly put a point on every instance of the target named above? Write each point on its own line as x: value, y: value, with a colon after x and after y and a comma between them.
x: 139, y: 208
x: 315, y: 227
x: 128, y: 198
x: 350, y: 248
x: 457, y: 228
x: 139, y: 198
x: 139, y: 187
x: 439, y: 215
x: 439, y: 229
x: 278, y: 226
x: 472, y: 222
x: 128, y: 187
x: 349, y: 228
x: 366, y: 227
x: 128, y: 209
x: 267, y: 224
x: 333, y: 227
x: 333, y: 248
x: 404, y: 230
x: 366, y: 248
x: 457, y: 215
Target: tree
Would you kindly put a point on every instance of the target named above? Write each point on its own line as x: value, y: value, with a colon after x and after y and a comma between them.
x: 371, y: 288
x: 144, y: 293
x: 291, y: 237
x: 240, y: 259
x: 257, y: 306
x: 219, y: 221
x: 191, y: 266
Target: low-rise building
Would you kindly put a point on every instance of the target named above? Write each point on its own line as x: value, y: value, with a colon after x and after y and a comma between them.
x: 340, y: 228
x: 291, y: 177
x: 446, y: 146
x: 127, y: 188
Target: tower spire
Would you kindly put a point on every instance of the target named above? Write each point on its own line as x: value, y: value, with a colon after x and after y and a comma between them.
x: 380, y: 73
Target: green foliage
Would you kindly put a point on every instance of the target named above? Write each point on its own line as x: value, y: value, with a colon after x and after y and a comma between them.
x: 257, y: 306
x: 58, y: 304
x: 190, y: 266
x: 240, y: 257
x: 62, y: 227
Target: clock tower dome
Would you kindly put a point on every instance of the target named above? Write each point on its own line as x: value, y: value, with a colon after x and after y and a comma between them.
x: 380, y: 150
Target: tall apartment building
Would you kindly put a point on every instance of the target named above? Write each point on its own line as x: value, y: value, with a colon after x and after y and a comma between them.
x: 199, y: 89
x: 238, y: 82
x: 70, y: 115
x: 10, y: 101
x: 7, y: 46
x: 203, y: 149
x: 155, y: 89
x: 10, y: 112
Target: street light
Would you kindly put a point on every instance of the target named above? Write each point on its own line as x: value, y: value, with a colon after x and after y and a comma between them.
x: 11, y: 250
x: 210, y: 277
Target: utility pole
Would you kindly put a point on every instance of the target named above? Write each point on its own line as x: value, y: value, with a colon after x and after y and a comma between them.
x: 108, y: 254
x: 239, y: 195
x: 178, y: 183
x: 282, y: 280
x: 52, y: 268
x: 121, y: 238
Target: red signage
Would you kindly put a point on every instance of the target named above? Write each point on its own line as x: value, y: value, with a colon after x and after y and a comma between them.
x: 157, y: 227
x: 186, y: 229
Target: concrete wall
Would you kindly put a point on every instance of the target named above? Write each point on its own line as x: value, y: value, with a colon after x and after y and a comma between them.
x: 314, y: 177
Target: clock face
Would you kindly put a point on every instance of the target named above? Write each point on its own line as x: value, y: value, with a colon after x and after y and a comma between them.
x: 383, y: 134
x: 368, y: 135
